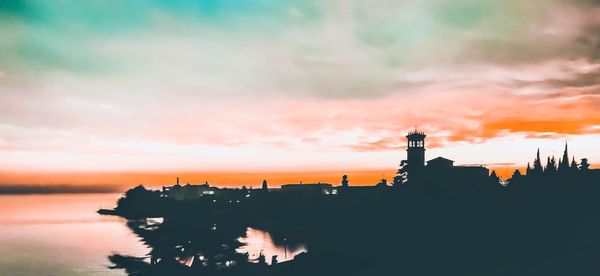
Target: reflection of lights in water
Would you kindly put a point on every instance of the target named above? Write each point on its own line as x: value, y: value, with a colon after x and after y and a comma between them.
x: 214, y: 227
x: 187, y: 261
x: 332, y: 192
x: 154, y: 221
x: 257, y: 241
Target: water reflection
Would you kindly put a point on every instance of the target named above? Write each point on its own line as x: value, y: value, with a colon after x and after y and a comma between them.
x: 61, y: 235
x: 184, y: 246
x: 258, y: 242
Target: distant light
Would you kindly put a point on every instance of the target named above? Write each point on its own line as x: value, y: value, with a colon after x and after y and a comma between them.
x: 154, y: 221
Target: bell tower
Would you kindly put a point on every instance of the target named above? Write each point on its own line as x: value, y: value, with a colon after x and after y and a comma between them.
x: 415, y: 152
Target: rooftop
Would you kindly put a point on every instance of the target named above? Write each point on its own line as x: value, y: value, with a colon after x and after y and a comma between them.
x: 416, y: 134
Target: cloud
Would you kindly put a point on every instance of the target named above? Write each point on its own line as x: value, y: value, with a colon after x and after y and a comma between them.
x: 294, y: 48
x: 89, y: 85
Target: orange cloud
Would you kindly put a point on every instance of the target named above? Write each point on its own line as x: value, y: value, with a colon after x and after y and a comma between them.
x: 304, y: 134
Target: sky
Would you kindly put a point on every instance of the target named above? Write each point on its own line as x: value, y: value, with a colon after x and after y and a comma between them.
x: 124, y: 90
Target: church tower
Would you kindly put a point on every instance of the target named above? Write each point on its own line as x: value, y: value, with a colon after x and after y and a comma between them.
x: 415, y: 152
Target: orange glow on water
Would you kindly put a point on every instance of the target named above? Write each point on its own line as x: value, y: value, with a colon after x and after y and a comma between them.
x: 58, y: 234
x: 257, y: 242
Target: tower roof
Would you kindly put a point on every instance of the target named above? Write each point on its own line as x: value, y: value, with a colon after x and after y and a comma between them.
x: 416, y: 135
x: 440, y: 162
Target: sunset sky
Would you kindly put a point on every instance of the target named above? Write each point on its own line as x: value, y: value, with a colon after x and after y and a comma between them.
x: 121, y: 92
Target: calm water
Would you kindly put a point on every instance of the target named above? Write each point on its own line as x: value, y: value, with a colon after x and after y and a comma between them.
x: 258, y: 242
x: 63, y: 235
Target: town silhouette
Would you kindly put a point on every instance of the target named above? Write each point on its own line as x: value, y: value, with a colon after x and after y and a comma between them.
x: 434, y: 218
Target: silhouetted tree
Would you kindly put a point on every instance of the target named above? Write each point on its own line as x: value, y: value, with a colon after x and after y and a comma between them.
x: 563, y: 163
x: 400, y: 177
x: 584, y: 166
x: 516, y: 175
x: 537, y: 164
x: 137, y: 202
x: 494, y: 179
x: 551, y: 166
x: 345, y: 181
x: 574, y: 165
x: 382, y: 183
x: 262, y: 259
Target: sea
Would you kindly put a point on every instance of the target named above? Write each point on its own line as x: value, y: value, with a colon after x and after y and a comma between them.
x: 62, y: 234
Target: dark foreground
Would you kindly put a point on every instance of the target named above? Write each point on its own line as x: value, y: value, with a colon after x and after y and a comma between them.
x: 537, y: 225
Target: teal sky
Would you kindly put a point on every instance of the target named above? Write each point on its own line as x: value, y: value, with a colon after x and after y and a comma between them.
x: 42, y: 36
x: 249, y: 83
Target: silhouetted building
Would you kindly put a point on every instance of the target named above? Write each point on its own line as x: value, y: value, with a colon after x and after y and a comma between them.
x: 415, y: 153
x: 437, y: 169
x: 188, y: 191
x: 440, y: 162
x: 444, y: 168
x: 323, y: 188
